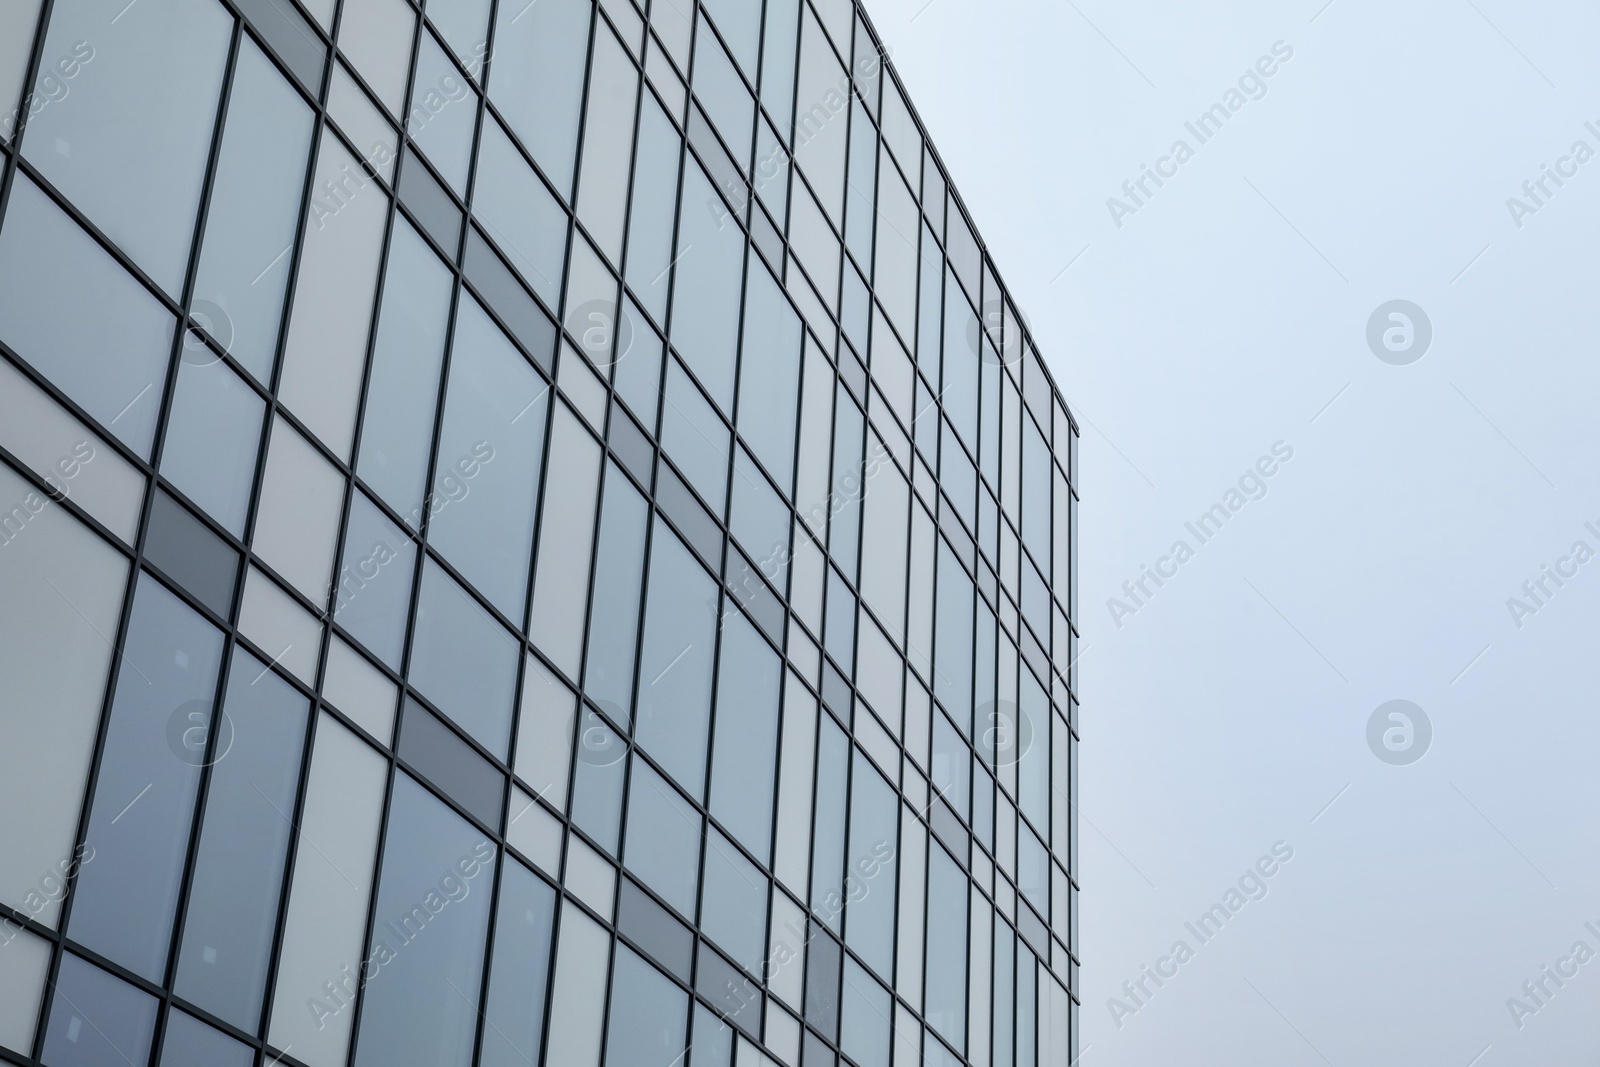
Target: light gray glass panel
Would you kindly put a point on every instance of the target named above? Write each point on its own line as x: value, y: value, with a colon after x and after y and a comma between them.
x: 675, y: 663
x: 540, y: 55
x: 17, y: 24
x: 145, y: 793
x: 649, y: 1015
x: 98, y: 1020
x: 233, y: 904
x: 464, y: 661
x: 953, y: 638
x: 760, y: 520
x: 254, y: 212
x: 374, y: 589
x: 663, y: 840
x: 597, y: 782
x: 726, y: 100
x: 213, y: 435
x: 743, y: 772
x: 403, y: 389
x: 608, y: 145
x: 71, y: 311
x: 464, y: 25
x: 740, y: 24
x: 828, y: 835
x: 131, y: 150
x: 520, y: 974
x: 430, y: 931
x: 705, y: 295
x: 486, y: 477
x: 191, y: 1043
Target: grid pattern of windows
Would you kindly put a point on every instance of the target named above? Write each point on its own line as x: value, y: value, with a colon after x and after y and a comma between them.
x: 530, y: 533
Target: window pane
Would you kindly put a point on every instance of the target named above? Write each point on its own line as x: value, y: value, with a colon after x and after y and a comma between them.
x: 327, y: 919
x: 619, y: 572
x: 24, y: 972
x: 54, y: 660
x: 98, y: 1020
x: 537, y: 82
x: 726, y: 100
x: 649, y: 1015
x: 953, y: 639
x: 760, y: 521
x: 608, y: 144
x: 326, y: 353
x: 464, y: 661
x: 696, y: 438
x: 947, y: 948
x: 864, y: 1022
x: 597, y: 785
x: 827, y: 864
x: 255, y: 206
x: 521, y: 970
x: 769, y: 381
x: 820, y: 126
x: 403, y: 392
x: 870, y: 870
x: 577, y: 1007
x: 517, y: 210
x: 17, y: 24
x: 438, y: 754
x: 444, y: 114
x: 705, y: 300
x: 655, y: 199
x: 747, y: 736
x: 376, y: 35
x: 374, y: 599
x: 145, y: 793
x: 675, y: 663
x: 432, y: 922
x: 191, y: 1043
x: 213, y: 433
x: 233, y: 905
x: 131, y: 150
x: 733, y: 903
x: 566, y: 542
x: 663, y: 838
x: 486, y: 477
x: 109, y: 353
x: 464, y: 25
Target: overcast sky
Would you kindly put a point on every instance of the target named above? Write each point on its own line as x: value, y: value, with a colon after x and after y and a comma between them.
x: 1228, y: 312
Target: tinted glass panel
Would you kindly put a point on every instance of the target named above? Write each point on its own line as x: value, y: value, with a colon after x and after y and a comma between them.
x: 614, y: 622
x: 145, y: 794
x: 464, y: 661
x: 540, y: 54
x: 675, y: 662
x: 733, y: 903
x: 375, y: 580
x: 705, y: 301
x: 649, y: 1015
x: 746, y: 736
x: 233, y: 904
x: 518, y: 212
x: 131, y: 150
x: 97, y: 1020
x: 191, y: 1043
x: 213, y: 435
x: 521, y: 970
x: 663, y: 839
x: 428, y: 944
x: 436, y: 752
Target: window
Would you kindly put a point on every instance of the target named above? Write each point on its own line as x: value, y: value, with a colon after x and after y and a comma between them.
x: 131, y: 150
x: 746, y: 736
x: 464, y: 661
x: 618, y: 586
x: 655, y: 199
x: 514, y: 1013
x: 733, y: 903
x: 537, y: 82
x: 213, y: 433
x: 254, y: 213
x: 373, y: 597
x: 519, y: 213
x: 769, y: 380
x: 675, y: 663
x: 608, y: 144
x: 705, y: 295
x: 97, y: 1020
x: 566, y: 543
x: 649, y: 1015
x: 444, y: 114
x: 79, y: 318
x: 161, y: 717
x: 663, y: 846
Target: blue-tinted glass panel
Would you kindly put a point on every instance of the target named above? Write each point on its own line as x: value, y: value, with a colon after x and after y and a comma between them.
x: 597, y: 782
x: 244, y: 844
x: 870, y: 877
x: 519, y: 213
x: 746, y: 744
x: 655, y: 198
x: 705, y: 295
x: 374, y: 598
x: 463, y: 660
x: 520, y: 973
x: 696, y: 438
x: 649, y: 1015
x: 145, y: 795
x: 769, y: 377
x: 680, y: 633
x: 733, y: 903
x: 425, y: 963
x: 97, y: 1020
x: 486, y: 481
x: 946, y: 1003
x: 191, y: 1043
x: 864, y: 1018
x: 443, y: 115
x: 663, y: 845
x: 952, y: 664
x: 213, y: 435
x: 828, y: 835
x: 618, y: 582
x: 537, y: 83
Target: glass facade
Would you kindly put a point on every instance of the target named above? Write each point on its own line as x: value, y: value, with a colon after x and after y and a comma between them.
x: 530, y: 533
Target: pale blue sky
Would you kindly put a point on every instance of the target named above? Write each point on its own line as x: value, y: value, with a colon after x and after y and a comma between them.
x: 1223, y: 317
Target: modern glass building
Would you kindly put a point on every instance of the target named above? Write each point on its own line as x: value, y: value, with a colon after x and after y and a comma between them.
x: 531, y: 535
